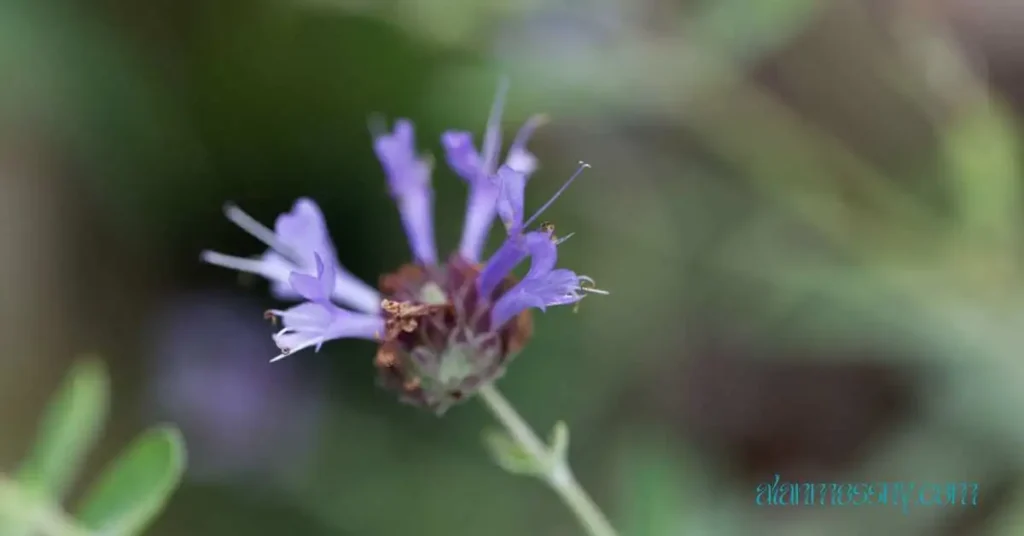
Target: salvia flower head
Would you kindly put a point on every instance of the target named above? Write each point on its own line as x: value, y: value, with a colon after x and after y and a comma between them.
x: 444, y: 328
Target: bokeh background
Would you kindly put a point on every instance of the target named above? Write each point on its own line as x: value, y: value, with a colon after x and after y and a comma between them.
x: 808, y: 213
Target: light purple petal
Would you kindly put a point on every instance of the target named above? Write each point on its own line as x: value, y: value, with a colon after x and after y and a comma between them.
x: 304, y: 230
x: 461, y: 155
x: 511, y: 304
x: 316, y: 288
x: 408, y: 178
x: 519, y: 158
x: 558, y: 287
x: 417, y: 213
x: 404, y: 169
x: 480, y: 210
x: 312, y: 324
x: 512, y: 185
x: 298, y: 236
x: 509, y: 255
x: 543, y: 255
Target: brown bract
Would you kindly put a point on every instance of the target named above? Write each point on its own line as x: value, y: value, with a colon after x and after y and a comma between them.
x: 438, y: 345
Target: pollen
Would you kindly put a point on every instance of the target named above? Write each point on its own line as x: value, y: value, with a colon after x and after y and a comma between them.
x: 403, y: 316
x: 269, y: 315
x: 386, y: 357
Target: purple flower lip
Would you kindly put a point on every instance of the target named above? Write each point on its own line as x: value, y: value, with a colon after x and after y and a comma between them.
x: 480, y: 170
x: 444, y: 328
x: 298, y: 236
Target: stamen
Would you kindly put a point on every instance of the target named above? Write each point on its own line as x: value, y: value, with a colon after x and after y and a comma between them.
x: 587, y: 285
x: 386, y: 358
x: 316, y: 341
x: 271, y: 316
x: 258, y: 230
x: 564, y: 238
x: 253, y: 266
x: 284, y: 353
x: 583, y: 165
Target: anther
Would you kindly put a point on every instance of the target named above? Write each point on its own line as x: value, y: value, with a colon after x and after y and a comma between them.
x: 271, y: 316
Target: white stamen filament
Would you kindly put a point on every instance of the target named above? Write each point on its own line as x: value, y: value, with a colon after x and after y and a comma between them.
x: 287, y: 351
x: 252, y: 266
x: 583, y: 165
x: 564, y: 238
x: 259, y: 231
x: 589, y: 286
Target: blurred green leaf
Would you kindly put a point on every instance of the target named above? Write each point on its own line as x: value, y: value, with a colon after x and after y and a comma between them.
x: 749, y: 30
x: 654, y: 499
x: 134, y: 489
x: 981, y: 153
x: 558, y: 442
x: 509, y: 455
x: 70, y: 428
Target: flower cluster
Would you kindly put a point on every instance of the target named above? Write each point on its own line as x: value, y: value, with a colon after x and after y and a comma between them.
x: 444, y: 328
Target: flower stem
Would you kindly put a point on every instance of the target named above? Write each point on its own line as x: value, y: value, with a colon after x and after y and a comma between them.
x: 558, y: 474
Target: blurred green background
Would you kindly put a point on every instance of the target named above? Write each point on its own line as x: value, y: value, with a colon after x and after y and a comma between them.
x: 808, y: 214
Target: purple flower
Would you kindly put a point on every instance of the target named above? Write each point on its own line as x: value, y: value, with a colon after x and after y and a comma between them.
x: 543, y: 285
x: 479, y: 170
x: 297, y: 237
x: 239, y: 418
x: 318, y: 320
x: 409, y: 182
x: 444, y: 328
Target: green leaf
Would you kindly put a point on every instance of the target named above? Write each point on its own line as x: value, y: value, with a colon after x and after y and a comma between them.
x: 558, y: 442
x: 70, y: 428
x: 134, y: 489
x: 981, y: 152
x: 509, y: 455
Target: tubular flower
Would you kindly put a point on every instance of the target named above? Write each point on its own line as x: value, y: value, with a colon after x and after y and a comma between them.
x: 444, y: 328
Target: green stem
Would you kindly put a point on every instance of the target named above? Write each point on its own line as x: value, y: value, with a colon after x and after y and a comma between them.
x: 559, y: 476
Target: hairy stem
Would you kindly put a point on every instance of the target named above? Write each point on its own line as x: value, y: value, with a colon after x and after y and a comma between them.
x: 558, y: 475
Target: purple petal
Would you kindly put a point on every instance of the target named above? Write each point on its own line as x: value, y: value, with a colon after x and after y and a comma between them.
x: 461, y: 155
x: 543, y: 256
x: 298, y: 236
x: 509, y: 255
x: 408, y: 178
x: 511, y: 304
x: 397, y: 154
x: 511, y: 198
x: 312, y: 324
x: 417, y: 213
x: 558, y: 287
x: 518, y: 157
x: 304, y: 230
x: 480, y: 210
x: 315, y: 288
